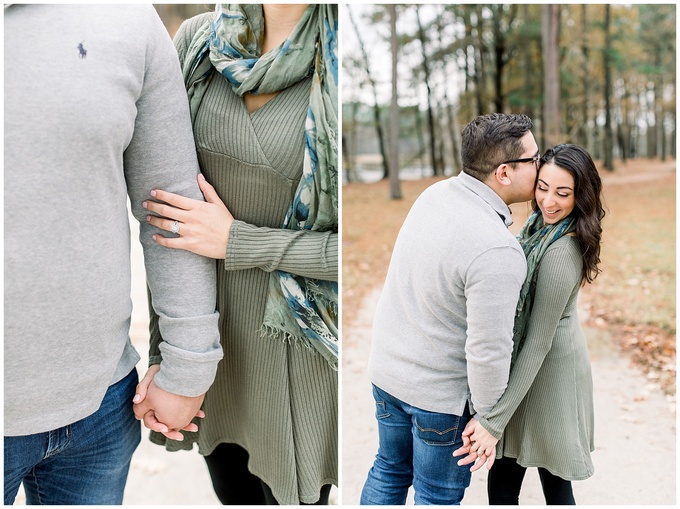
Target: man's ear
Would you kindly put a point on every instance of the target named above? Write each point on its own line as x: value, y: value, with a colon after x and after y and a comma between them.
x: 502, y: 175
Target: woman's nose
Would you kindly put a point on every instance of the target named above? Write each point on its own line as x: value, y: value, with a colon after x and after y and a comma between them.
x: 548, y: 200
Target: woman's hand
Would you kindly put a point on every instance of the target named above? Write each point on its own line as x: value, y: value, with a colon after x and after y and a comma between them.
x: 479, y: 446
x: 482, y: 440
x: 203, y: 227
x: 148, y: 415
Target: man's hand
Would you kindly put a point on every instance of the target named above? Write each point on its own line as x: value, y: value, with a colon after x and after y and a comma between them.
x: 164, y: 411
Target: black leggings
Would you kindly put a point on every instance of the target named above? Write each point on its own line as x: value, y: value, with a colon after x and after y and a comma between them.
x: 505, y: 481
x: 235, y: 485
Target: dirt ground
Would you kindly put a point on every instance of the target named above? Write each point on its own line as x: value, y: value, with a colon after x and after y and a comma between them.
x: 635, y: 429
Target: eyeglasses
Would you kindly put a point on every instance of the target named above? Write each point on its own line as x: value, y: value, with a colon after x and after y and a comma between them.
x: 536, y: 160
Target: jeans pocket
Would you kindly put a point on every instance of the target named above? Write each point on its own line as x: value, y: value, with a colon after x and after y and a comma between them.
x: 381, y: 410
x: 437, y: 429
x: 380, y: 405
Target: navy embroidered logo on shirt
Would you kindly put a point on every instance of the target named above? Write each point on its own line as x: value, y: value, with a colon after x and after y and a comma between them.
x: 83, y: 51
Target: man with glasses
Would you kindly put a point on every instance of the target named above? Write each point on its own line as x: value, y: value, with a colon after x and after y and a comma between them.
x: 442, y: 334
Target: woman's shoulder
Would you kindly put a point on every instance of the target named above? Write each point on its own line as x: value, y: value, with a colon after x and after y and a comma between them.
x: 190, y: 26
x: 566, y: 246
x: 563, y: 255
x: 188, y: 29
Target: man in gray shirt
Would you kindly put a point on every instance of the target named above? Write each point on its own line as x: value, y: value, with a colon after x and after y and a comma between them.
x: 95, y: 112
x: 442, y: 333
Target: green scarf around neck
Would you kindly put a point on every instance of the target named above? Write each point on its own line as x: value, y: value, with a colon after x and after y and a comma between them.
x: 535, y: 237
x: 301, y: 309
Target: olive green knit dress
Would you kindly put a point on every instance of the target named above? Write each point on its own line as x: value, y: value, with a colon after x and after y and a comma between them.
x: 276, y: 399
x: 546, y: 414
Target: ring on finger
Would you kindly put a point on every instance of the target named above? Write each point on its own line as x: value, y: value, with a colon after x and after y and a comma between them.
x: 175, y: 228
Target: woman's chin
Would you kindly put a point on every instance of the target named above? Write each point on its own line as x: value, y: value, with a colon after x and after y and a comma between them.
x: 551, y: 219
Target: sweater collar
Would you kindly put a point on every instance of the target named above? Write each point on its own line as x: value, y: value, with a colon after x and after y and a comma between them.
x: 488, y: 195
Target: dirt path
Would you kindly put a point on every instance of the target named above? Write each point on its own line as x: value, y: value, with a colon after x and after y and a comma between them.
x: 628, y: 175
x: 635, y: 428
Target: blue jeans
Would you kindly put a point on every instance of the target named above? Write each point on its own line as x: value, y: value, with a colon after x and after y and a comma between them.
x: 86, y: 462
x: 415, y: 448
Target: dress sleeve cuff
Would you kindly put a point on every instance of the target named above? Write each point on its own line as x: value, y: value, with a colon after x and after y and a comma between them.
x: 497, y: 434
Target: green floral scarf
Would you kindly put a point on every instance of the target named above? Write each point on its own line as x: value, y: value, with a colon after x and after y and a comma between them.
x: 298, y: 308
x: 535, y: 239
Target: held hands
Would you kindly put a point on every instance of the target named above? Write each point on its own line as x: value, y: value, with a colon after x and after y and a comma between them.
x: 164, y: 411
x: 203, y: 226
x: 479, y: 445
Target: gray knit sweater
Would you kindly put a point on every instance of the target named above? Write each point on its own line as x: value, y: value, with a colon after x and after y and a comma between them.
x: 95, y: 111
x: 442, y: 334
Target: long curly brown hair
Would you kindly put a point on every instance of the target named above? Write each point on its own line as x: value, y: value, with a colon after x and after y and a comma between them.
x: 588, y: 210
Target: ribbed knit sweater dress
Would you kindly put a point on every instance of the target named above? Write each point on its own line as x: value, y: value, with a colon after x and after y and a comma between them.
x: 546, y: 414
x: 277, y: 400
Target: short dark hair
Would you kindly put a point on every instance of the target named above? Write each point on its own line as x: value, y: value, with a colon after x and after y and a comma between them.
x: 588, y: 209
x: 490, y: 139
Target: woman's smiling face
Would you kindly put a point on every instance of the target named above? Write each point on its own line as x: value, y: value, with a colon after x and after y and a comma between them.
x: 555, y: 193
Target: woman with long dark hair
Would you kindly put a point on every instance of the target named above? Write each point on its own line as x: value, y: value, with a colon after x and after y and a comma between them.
x: 545, y: 417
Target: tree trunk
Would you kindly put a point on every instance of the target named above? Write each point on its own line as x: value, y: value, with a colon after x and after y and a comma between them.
x: 528, y: 65
x: 347, y: 170
x: 624, y: 127
x: 478, y: 52
x: 421, y: 141
x: 499, y: 49
x: 584, y: 139
x: 395, y: 188
x: 551, y: 66
x: 354, y: 133
x: 349, y: 145
x: 502, y: 58
x: 376, y: 105
x: 480, y: 67
x: 450, y: 115
x: 651, y: 130
x: 469, y: 55
x: 430, y: 113
x: 608, y: 132
x: 658, y: 110
x: 621, y: 141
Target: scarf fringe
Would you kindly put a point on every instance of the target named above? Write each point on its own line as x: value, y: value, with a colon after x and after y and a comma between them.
x: 285, y: 337
x: 299, y: 342
x: 315, y: 293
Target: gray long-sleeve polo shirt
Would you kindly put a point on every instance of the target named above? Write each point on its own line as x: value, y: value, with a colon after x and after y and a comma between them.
x: 95, y: 111
x: 442, y: 334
